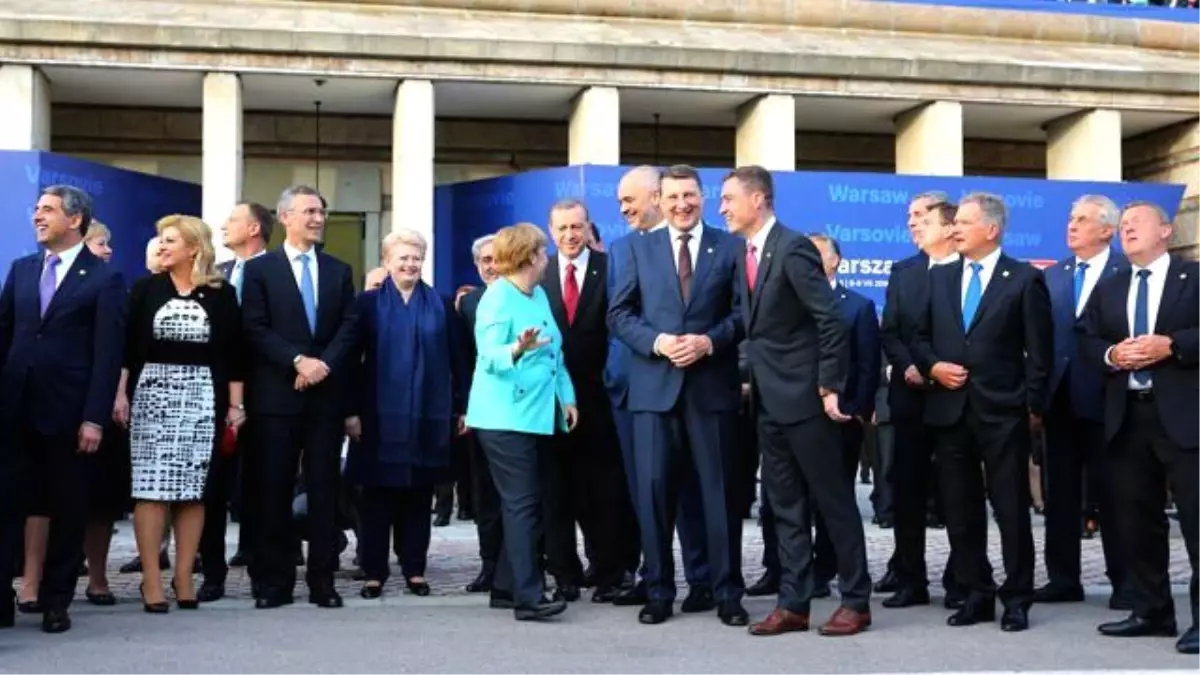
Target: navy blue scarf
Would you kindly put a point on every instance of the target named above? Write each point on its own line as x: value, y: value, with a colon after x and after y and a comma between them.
x: 413, y: 379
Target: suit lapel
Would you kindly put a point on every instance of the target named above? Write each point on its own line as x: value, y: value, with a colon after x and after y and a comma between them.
x: 327, y: 292
x: 1172, y: 288
x: 591, y: 281
x: 703, y: 261
x: 1064, y: 292
x: 75, y: 277
x: 954, y: 290
x: 997, y: 285
x: 667, y: 252
x: 553, y: 288
x: 764, y: 267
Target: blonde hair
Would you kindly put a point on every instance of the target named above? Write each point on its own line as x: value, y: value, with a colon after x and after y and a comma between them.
x: 196, y: 234
x: 98, y: 230
x: 516, y: 246
x: 404, y: 235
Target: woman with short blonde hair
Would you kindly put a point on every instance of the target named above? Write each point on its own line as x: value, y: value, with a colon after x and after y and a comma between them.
x: 99, y: 240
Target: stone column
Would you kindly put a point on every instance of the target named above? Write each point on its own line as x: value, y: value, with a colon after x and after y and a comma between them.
x: 412, y: 163
x: 1085, y: 146
x: 929, y: 139
x: 594, y: 133
x: 221, y: 152
x: 24, y: 108
x: 766, y: 133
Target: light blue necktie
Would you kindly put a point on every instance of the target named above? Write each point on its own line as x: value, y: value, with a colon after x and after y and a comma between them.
x: 239, y: 270
x: 308, y: 292
x: 974, y: 293
x: 1080, y: 272
x: 1141, y: 318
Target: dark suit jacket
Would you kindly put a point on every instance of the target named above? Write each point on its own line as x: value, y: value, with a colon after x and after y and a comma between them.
x: 616, y: 369
x: 467, y: 307
x: 647, y: 302
x: 278, y: 332
x: 226, y: 268
x: 1085, y: 383
x: 1105, y: 322
x: 62, y: 368
x: 862, y: 366
x: 585, y: 342
x: 1006, y: 350
x: 795, y: 340
x: 907, y: 297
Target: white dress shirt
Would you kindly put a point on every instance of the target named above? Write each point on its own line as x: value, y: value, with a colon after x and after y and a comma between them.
x: 580, y: 262
x: 1154, y: 284
x: 759, y: 240
x: 1091, y: 275
x: 985, y: 274
x: 293, y: 254
x: 693, y: 244
x: 65, y: 260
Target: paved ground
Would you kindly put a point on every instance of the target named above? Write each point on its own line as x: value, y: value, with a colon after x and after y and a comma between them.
x: 451, y: 631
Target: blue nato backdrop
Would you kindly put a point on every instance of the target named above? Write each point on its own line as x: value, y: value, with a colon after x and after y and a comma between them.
x: 128, y: 202
x: 865, y: 212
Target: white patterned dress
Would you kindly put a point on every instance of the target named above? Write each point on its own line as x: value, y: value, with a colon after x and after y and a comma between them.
x: 173, y: 412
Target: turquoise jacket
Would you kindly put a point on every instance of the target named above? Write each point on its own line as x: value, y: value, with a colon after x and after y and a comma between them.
x: 527, y: 395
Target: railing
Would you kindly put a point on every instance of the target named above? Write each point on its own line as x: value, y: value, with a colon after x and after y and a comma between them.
x: 1179, y: 11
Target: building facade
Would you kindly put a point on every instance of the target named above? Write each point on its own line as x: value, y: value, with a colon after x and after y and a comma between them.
x: 377, y: 102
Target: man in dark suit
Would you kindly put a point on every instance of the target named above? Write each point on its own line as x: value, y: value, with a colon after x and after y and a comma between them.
x: 246, y: 234
x: 986, y: 339
x: 589, y: 485
x: 857, y: 398
x: 298, y: 310
x: 61, y: 343
x: 1141, y: 329
x: 486, y: 506
x: 1074, y: 450
x: 675, y: 308
x: 637, y: 197
x: 796, y: 350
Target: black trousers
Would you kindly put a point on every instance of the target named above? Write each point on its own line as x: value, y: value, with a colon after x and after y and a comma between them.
x: 880, y: 441
x: 224, y: 482
x: 517, y: 463
x: 804, y: 467
x: 489, y: 525
x: 404, y: 512
x: 281, y: 444
x: 1003, y: 448
x: 1073, y: 464
x: 52, y: 481
x: 825, y: 564
x: 1144, y: 462
x: 460, y: 487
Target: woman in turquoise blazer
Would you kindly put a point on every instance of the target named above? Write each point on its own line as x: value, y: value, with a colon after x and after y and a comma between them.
x: 520, y: 395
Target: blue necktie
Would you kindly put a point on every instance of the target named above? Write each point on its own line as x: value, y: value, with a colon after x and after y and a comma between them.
x: 1080, y: 271
x: 974, y: 293
x: 308, y: 292
x: 1141, y: 317
x: 236, y: 277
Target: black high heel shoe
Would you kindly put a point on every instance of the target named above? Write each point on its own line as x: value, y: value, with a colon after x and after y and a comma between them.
x: 152, y: 607
x: 180, y: 602
x: 371, y: 590
x: 420, y: 588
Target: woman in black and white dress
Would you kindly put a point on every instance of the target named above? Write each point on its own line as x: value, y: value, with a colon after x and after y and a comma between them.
x: 181, y: 386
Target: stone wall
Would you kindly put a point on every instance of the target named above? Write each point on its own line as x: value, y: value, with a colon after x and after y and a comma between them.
x: 1171, y: 155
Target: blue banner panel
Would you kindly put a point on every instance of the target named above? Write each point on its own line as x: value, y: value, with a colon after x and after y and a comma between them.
x: 1078, y: 8
x: 128, y: 202
x: 865, y: 212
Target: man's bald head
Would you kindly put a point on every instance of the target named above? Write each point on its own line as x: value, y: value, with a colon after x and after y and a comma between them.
x: 637, y: 197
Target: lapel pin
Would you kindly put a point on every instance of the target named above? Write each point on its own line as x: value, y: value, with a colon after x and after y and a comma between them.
x: 768, y: 254
x: 710, y: 250
x: 1004, y: 274
x: 82, y: 272
x: 1067, y: 266
x: 1183, y: 275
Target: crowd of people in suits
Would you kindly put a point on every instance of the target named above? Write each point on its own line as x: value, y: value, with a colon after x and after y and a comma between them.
x: 633, y: 392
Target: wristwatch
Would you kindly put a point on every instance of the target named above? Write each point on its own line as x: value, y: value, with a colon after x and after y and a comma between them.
x: 297, y: 359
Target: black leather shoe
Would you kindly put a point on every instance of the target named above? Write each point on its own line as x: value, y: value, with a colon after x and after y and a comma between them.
x: 632, y: 596
x: 890, y: 583
x: 239, y: 559
x: 604, y: 594
x: 418, y: 588
x: 29, y: 607
x: 954, y: 600
x: 699, y: 599
x: 567, y: 592
x: 1015, y: 619
x: 210, y: 591
x: 1050, y: 593
x: 767, y: 584
x: 100, y: 599
x: 544, y: 609
x: 1189, y: 642
x: 442, y: 520
x: 271, y: 601
x: 371, y: 590
x: 908, y: 596
x: 501, y: 600
x: 481, y: 584
x: 656, y: 612
x: 973, y: 613
x: 1136, y: 626
x: 326, y: 599
x: 152, y: 607
x: 56, y: 621
x: 732, y: 613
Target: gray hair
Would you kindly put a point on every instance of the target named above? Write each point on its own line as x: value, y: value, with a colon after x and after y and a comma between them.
x: 1158, y: 210
x: 286, y: 197
x: 1109, y: 213
x: 935, y: 196
x: 478, y: 244
x: 571, y: 203
x: 75, y: 202
x: 404, y: 235
x: 992, y: 206
x: 649, y: 176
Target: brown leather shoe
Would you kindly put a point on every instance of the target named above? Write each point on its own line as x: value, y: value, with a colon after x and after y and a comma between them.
x: 846, y: 621
x: 780, y: 621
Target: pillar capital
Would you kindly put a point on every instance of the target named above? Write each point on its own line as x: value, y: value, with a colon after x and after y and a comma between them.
x: 25, y: 108
x: 1085, y: 145
x: 594, y: 132
x: 766, y: 133
x: 929, y: 139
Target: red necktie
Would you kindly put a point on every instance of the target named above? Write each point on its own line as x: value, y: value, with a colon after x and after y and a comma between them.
x: 571, y: 293
x: 751, y: 266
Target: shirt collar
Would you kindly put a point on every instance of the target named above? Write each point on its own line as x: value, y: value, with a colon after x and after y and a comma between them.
x: 833, y: 283
x: 242, y: 261
x: 1158, y: 268
x: 759, y: 240
x: 67, y: 257
x: 292, y: 252
x: 661, y: 224
x: 580, y: 261
x: 988, y: 261
x: 952, y: 258
x: 1096, y: 262
x: 697, y: 231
